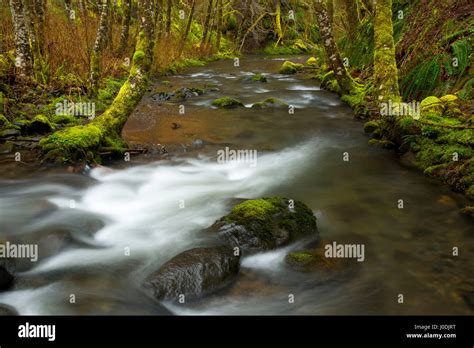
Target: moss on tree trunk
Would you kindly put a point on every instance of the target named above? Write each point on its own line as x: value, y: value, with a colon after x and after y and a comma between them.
x: 84, y: 142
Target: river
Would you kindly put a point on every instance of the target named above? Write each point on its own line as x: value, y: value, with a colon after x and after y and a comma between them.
x: 101, y: 234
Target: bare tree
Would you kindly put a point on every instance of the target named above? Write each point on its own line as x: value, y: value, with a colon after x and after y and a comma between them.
x: 23, y: 54
x: 126, y: 19
x: 100, y: 41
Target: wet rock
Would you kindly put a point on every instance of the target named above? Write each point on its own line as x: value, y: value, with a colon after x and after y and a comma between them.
x: 194, y: 273
x: 175, y: 125
x: 290, y: 68
x: 185, y: 93
x: 227, y: 103
x: 162, y: 96
x: 198, y: 143
x: 269, y: 102
x: 7, y: 310
x: 265, y: 224
x: 7, y: 273
x: 259, y: 78
x: 9, y: 132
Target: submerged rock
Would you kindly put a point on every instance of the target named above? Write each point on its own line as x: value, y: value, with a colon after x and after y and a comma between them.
x: 7, y: 273
x: 184, y: 93
x: 269, y: 102
x: 227, y: 103
x: 290, y: 68
x: 266, y: 223
x: 259, y: 78
x: 7, y: 310
x: 194, y: 273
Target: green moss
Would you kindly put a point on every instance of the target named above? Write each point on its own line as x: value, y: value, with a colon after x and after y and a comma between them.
x: 259, y: 209
x: 41, y: 124
x: 432, y: 105
x: 371, y: 126
x: 5, y: 123
x: 312, y: 61
x: 72, y: 143
x: 290, y: 68
x: 227, y: 103
x: 64, y: 119
x: 259, y: 78
x: 269, y: 102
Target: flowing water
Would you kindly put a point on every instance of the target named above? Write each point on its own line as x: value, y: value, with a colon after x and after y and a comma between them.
x: 100, y: 234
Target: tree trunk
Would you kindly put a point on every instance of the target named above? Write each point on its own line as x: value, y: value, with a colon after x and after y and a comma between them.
x: 385, y: 65
x: 188, y: 28
x: 219, y: 24
x: 278, y: 30
x: 83, y: 142
x: 324, y: 19
x: 206, y: 23
x: 127, y: 10
x: 168, y: 17
x: 40, y: 12
x: 351, y: 17
x: 23, y: 54
x: 99, y: 45
x: 29, y: 11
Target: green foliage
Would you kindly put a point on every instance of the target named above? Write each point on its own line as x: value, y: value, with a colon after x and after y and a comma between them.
x: 422, y: 80
x: 461, y: 50
x: 290, y: 68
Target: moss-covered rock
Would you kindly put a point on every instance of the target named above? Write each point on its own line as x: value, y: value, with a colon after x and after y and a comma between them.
x: 371, y: 126
x: 227, y: 103
x: 432, y: 105
x: 40, y: 124
x: 259, y: 78
x: 184, y: 93
x: 266, y: 223
x: 300, y: 46
x: 269, y: 102
x: 312, y: 61
x: 290, y: 68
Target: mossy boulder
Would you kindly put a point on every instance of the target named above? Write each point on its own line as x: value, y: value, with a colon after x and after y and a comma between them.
x: 299, y: 45
x: 432, y: 106
x: 194, y: 273
x: 371, y: 127
x: 269, y: 102
x: 288, y: 68
x: 259, y: 78
x: 266, y: 223
x: 227, y: 103
x: 40, y: 124
x: 451, y: 106
x: 312, y: 61
x: 64, y: 119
